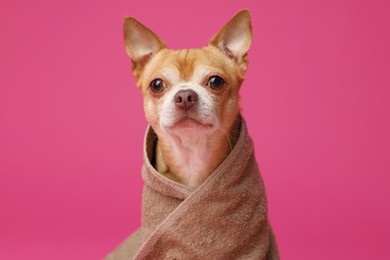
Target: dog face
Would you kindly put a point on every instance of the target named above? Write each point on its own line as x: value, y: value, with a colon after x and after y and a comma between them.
x: 190, y: 92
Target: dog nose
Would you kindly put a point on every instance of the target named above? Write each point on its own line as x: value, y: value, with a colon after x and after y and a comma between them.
x: 185, y: 99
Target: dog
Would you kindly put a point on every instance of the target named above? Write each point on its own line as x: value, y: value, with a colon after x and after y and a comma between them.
x: 203, y: 196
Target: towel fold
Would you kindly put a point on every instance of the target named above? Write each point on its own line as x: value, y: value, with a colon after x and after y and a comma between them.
x: 224, y: 218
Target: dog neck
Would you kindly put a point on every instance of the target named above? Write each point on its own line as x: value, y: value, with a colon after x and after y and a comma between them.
x: 190, y: 160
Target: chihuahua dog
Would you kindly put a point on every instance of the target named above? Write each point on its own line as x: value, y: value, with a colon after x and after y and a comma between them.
x: 197, y: 136
x: 191, y: 96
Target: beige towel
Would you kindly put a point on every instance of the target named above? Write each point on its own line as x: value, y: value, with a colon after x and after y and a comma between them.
x: 224, y: 218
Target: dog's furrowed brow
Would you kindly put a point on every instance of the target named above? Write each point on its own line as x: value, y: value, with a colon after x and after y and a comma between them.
x: 186, y: 63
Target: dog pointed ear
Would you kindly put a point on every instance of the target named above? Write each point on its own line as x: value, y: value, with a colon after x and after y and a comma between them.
x: 140, y: 43
x: 235, y: 38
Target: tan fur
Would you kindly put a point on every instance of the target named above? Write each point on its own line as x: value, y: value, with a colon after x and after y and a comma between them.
x: 189, y: 156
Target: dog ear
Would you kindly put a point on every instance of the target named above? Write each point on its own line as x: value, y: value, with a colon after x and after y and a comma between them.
x: 140, y: 43
x: 235, y: 38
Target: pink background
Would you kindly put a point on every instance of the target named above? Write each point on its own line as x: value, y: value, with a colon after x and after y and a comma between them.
x: 316, y: 99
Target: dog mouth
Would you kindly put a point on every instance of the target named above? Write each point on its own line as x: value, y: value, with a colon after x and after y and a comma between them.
x: 190, y: 122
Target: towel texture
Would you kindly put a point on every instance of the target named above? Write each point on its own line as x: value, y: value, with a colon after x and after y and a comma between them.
x: 224, y: 218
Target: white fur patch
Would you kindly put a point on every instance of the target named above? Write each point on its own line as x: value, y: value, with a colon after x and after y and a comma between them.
x: 200, y: 73
x: 172, y: 74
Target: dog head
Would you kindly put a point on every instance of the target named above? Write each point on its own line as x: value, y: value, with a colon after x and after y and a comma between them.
x: 190, y: 92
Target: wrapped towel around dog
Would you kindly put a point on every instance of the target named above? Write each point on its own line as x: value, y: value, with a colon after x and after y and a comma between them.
x: 224, y: 218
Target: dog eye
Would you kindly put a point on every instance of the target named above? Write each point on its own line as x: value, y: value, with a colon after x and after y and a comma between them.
x: 157, y: 85
x: 216, y: 82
